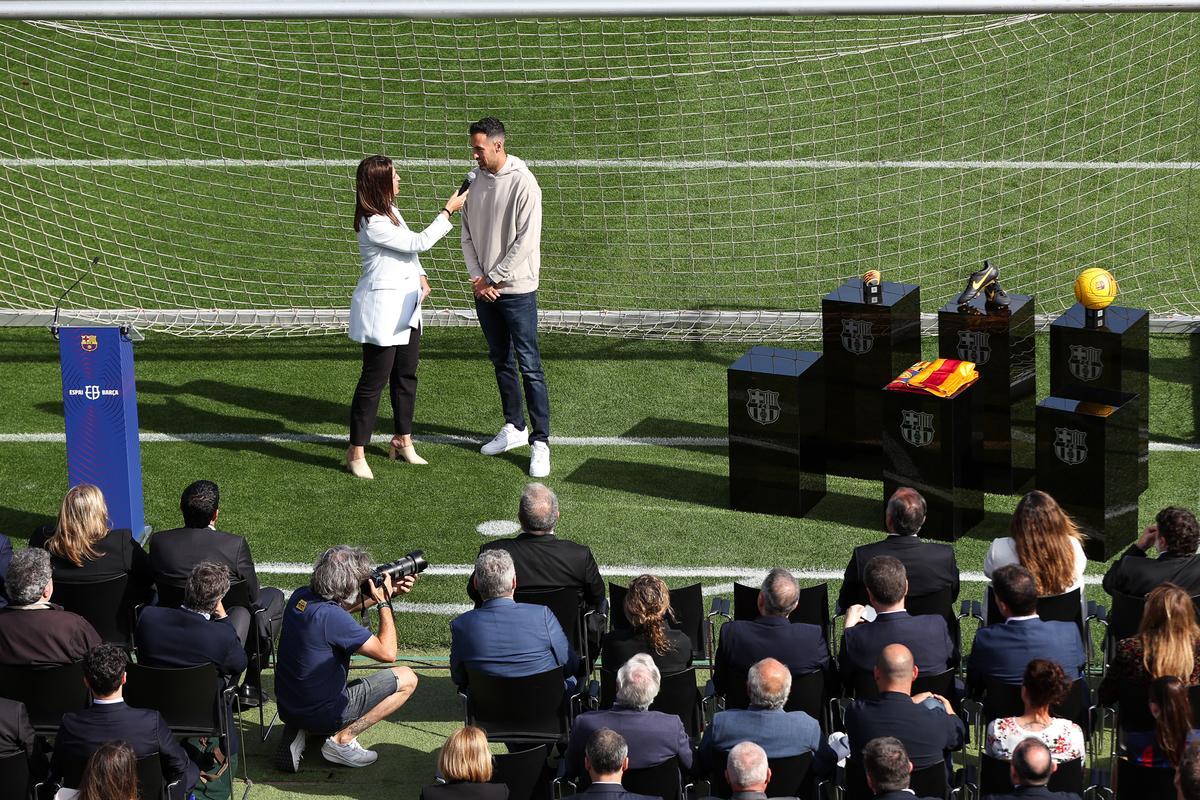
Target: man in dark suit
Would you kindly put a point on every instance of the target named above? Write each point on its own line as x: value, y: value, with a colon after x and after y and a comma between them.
x: 931, y: 567
x: 34, y: 631
x: 81, y: 732
x: 1175, y: 535
x: 1030, y: 770
x: 505, y: 638
x: 926, y: 636
x: 886, y: 764
x: 606, y: 758
x: 653, y: 736
x: 927, y: 729
x: 173, y: 553
x: 1001, y: 652
x: 801, y: 647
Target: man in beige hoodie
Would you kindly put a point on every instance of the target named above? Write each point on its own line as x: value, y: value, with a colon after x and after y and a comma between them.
x: 501, y: 241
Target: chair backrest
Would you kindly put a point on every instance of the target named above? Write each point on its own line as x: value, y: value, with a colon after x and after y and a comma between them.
x: 812, y: 607
x: 526, y: 709
x: 1125, y: 616
x: 808, y: 694
x: 660, y: 780
x: 107, y: 605
x: 523, y: 772
x: 1004, y: 700
x: 678, y: 695
x: 189, y: 698
x: 1066, y: 607
x: 686, y: 601
x: 995, y: 777
x: 940, y: 603
x: 47, y: 692
x: 942, y: 683
x: 927, y: 781
x: 171, y: 596
x: 150, y: 778
x: 567, y: 607
x: 1135, y: 782
x: 14, y: 777
x: 791, y: 776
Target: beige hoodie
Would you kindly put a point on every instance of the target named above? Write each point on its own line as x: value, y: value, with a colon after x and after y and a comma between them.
x: 502, y: 227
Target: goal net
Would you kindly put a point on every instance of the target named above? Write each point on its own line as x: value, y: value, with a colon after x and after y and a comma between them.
x: 702, y: 177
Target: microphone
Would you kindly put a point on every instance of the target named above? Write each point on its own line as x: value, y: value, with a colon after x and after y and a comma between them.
x: 58, y: 303
x: 466, y: 184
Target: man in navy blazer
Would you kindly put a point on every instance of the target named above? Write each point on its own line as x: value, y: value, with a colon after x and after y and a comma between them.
x: 1030, y: 770
x: 1002, y: 651
x: 505, y: 638
x: 606, y: 758
x: 652, y: 736
x: 888, y: 769
x: 926, y: 636
x: 801, y: 647
x: 81, y: 732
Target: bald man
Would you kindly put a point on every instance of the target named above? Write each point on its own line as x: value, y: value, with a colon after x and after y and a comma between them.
x: 1030, y: 771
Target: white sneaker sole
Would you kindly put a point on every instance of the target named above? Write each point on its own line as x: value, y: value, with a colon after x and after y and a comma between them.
x: 489, y: 450
x: 287, y: 758
x: 334, y: 757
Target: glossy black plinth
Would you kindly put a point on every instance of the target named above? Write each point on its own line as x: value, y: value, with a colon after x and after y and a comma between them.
x: 1087, y: 460
x: 1091, y: 363
x: 1001, y: 344
x: 866, y: 346
x: 929, y: 444
x: 776, y: 431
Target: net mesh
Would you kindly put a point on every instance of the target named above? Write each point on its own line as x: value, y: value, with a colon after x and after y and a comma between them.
x: 702, y: 178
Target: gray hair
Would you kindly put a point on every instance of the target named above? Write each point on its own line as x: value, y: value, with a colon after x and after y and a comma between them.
x: 780, y: 593
x: 638, y: 682
x: 28, y: 573
x: 747, y: 766
x: 538, y: 511
x: 886, y: 762
x: 494, y: 573
x: 606, y: 751
x: 769, y: 684
x: 205, y: 587
x: 339, y: 573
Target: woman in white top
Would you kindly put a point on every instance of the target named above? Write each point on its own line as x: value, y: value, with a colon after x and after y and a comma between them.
x: 1044, y: 685
x: 385, y: 311
x: 1045, y: 541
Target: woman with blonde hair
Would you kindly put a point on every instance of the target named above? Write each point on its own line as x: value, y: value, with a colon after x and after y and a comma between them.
x: 1044, y: 540
x: 465, y: 764
x: 648, y: 609
x: 110, y: 773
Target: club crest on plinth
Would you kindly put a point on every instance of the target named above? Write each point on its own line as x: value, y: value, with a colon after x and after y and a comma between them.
x: 1070, y: 446
x: 857, y: 337
x: 1084, y: 362
x: 974, y: 346
x: 762, y: 405
x: 91, y: 391
x: 916, y: 427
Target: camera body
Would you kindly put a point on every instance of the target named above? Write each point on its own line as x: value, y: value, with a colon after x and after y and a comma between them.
x: 410, y: 564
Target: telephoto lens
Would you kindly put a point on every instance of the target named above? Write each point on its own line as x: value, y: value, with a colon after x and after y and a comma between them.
x: 410, y: 564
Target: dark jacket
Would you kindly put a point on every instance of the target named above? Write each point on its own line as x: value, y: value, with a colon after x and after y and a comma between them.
x: 613, y: 791
x: 931, y: 567
x: 799, y: 646
x: 173, y: 553
x: 927, y: 733
x: 175, y: 637
x: 16, y: 734
x: 1136, y: 574
x: 547, y: 562
x: 926, y: 636
x: 1032, y: 793
x: 621, y: 644
x: 465, y: 790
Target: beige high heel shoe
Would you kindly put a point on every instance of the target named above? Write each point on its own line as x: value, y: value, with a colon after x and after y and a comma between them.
x: 407, y: 453
x: 358, y: 467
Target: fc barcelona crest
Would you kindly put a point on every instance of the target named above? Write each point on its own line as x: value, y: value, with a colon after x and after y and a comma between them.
x: 856, y: 336
x: 916, y: 427
x: 763, y: 406
x: 973, y: 346
x: 1070, y: 446
x: 88, y: 341
x: 1084, y: 362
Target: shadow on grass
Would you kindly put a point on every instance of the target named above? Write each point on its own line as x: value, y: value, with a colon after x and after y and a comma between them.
x: 17, y: 523
x: 1184, y: 370
x: 654, y: 480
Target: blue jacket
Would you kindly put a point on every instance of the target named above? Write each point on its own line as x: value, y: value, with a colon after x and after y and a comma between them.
x: 508, y: 639
x: 797, y: 645
x: 175, y: 637
x: 652, y: 736
x: 780, y: 733
x: 1002, y: 651
x: 926, y: 636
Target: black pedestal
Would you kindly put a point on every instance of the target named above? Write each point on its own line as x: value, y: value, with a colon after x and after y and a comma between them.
x: 776, y: 431
x: 1001, y: 343
x: 1092, y: 363
x: 928, y: 444
x: 1087, y: 460
x: 866, y: 346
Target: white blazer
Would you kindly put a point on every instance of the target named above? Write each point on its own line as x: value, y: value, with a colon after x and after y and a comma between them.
x: 384, y: 306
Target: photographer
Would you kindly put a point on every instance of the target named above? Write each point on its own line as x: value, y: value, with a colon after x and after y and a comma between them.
x: 318, y: 637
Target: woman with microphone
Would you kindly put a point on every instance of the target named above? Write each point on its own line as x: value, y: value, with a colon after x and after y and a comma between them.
x: 385, y: 310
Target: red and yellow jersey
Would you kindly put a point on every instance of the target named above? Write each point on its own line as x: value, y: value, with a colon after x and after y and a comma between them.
x: 944, y: 377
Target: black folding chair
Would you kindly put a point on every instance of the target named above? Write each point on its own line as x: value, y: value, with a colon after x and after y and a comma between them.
x: 532, y: 709
x: 941, y: 605
x: 151, y: 783
x: 812, y: 607
x: 523, y: 772
x: 47, y: 692
x: 927, y: 781
x: 1135, y: 782
x: 107, y: 605
x: 688, y: 604
x: 663, y: 780
x: 808, y: 695
x: 791, y: 776
x: 570, y: 611
x: 678, y: 695
x: 994, y: 776
x: 14, y: 777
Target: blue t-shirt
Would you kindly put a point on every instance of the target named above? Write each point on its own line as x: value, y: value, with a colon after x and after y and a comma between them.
x: 315, y: 644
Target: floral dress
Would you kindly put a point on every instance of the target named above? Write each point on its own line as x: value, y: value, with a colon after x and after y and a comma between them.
x: 1063, y: 737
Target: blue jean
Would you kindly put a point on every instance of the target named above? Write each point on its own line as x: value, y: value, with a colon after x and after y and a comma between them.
x: 510, y: 327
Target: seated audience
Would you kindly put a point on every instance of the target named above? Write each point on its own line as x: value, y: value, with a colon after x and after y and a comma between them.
x: 801, y: 647
x: 926, y: 636
x: 747, y: 772
x: 1175, y: 535
x: 111, y: 774
x: 888, y: 769
x: 652, y: 736
x: 318, y: 637
x: 1187, y: 777
x: 16, y: 734
x: 504, y: 638
x: 1044, y: 685
x: 6, y: 553
x: 1001, y: 651
x: 606, y: 757
x: 465, y: 763
x: 1042, y: 539
x: 34, y: 631
x: 930, y: 566
x: 1172, y: 712
x: 928, y: 729
x: 648, y: 609
x: 1030, y: 772
x: 81, y: 733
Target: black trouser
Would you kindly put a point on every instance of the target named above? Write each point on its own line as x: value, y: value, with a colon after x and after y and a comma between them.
x: 395, y: 365
x: 271, y: 601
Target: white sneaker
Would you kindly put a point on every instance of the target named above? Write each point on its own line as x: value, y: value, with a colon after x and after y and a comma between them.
x: 507, y: 439
x: 539, y: 460
x: 351, y: 755
x: 291, y: 749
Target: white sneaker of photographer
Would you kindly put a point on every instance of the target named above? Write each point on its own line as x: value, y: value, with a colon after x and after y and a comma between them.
x: 507, y: 439
x: 351, y: 755
x: 539, y: 460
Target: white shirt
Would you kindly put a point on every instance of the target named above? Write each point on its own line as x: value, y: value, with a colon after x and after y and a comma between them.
x: 1004, y: 552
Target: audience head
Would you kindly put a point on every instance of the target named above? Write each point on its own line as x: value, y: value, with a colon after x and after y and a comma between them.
x: 465, y: 756
x: 82, y: 521
x: 905, y: 512
x: 1178, y: 532
x: 779, y: 595
x: 895, y: 669
x: 205, y: 587
x: 886, y: 580
x: 104, y: 669
x: 110, y: 773
x: 1045, y: 684
x: 1044, y: 536
x: 638, y: 682
x: 647, y: 607
x: 339, y: 573
x: 1032, y: 764
x: 606, y: 755
x: 199, y: 504
x: 29, y: 577
x: 1169, y: 632
x: 887, y: 766
x: 538, y: 512
x: 747, y: 770
x: 1172, y: 715
x: 495, y: 575
x: 769, y: 684
x: 1187, y: 777
x: 1015, y: 590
